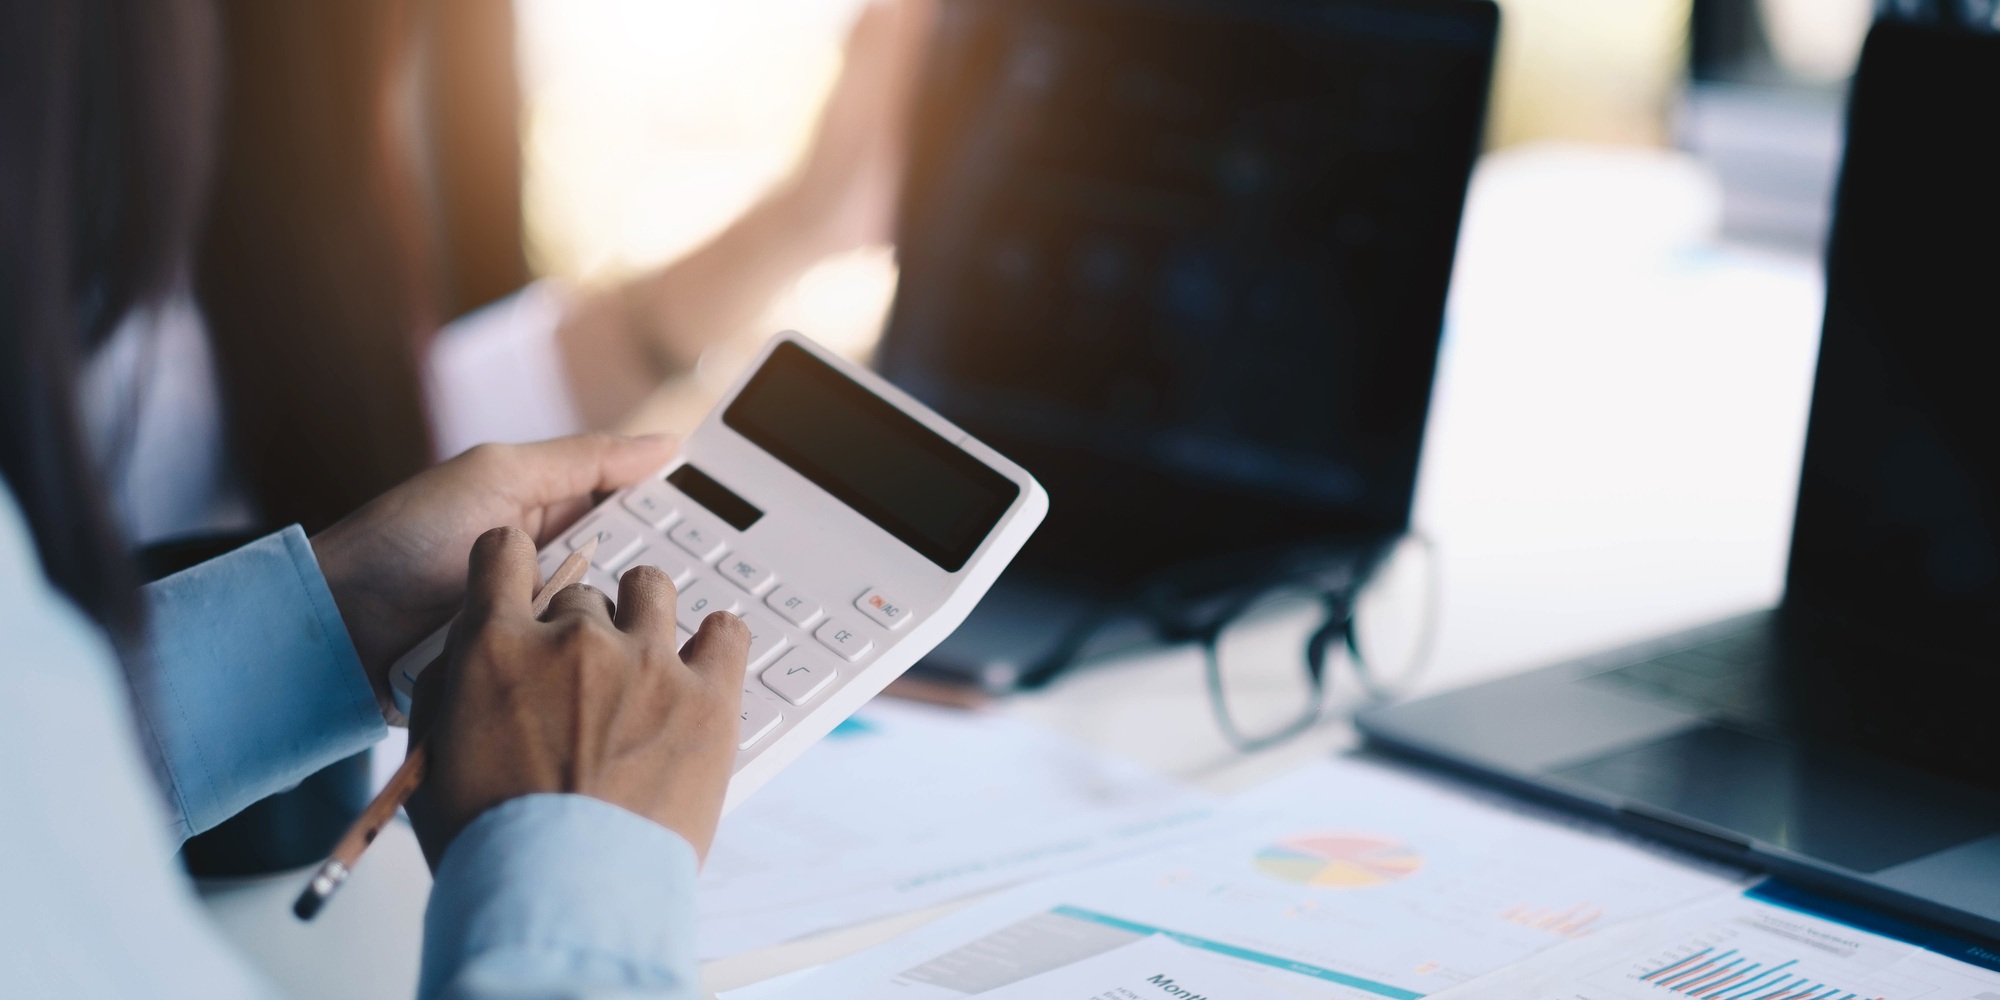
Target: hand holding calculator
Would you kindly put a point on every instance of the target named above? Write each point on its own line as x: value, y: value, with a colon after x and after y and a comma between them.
x: 849, y: 526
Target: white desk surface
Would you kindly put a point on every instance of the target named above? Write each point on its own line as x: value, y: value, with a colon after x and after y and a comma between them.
x: 1613, y: 447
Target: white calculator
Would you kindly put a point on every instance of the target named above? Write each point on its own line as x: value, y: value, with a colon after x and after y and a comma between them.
x: 849, y: 526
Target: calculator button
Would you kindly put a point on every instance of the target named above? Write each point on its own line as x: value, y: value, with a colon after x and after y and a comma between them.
x: 748, y: 572
x: 652, y: 504
x: 796, y: 608
x: 701, y: 540
x: 800, y: 675
x: 618, y: 537
x: 851, y: 645
x: 704, y: 599
x: 668, y: 561
x: 877, y: 605
x: 766, y: 638
x: 759, y: 718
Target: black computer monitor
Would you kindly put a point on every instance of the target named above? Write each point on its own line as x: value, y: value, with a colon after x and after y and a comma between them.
x: 1893, y: 587
x: 1186, y: 260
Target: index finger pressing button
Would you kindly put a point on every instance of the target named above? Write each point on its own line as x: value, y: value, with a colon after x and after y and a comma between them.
x: 668, y: 561
x: 758, y: 717
x: 704, y: 599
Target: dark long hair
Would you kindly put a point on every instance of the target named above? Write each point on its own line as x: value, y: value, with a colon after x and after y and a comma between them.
x: 105, y: 109
x: 367, y: 186
x: 318, y: 262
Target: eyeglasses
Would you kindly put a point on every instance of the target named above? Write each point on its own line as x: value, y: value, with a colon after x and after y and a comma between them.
x: 1265, y: 638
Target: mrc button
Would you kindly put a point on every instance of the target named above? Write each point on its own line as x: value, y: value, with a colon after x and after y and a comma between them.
x: 888, y: 613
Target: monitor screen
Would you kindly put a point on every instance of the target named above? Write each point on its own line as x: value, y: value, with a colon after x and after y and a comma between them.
x: 871, y: 456
x: 1187, y: 261
x: 1895, y: 566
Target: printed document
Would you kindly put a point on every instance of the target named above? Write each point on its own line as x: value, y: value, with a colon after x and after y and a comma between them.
x: 1347, y: 879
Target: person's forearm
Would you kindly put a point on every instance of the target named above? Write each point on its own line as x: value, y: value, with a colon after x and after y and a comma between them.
x: 249, y: 681
x: 620, y: 342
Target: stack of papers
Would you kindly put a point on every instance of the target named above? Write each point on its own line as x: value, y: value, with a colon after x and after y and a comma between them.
x: 1343, y: 880
x: 1350, y: 880
x: 1346, y: 880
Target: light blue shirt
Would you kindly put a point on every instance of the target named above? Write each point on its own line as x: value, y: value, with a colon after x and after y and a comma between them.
x: 248, y: 684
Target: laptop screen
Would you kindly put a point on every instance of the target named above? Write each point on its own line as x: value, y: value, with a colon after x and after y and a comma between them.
x: 1186, y: 261
x: 1895, y: 563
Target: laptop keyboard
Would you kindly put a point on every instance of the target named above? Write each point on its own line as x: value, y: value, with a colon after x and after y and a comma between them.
x: 1725, y: 678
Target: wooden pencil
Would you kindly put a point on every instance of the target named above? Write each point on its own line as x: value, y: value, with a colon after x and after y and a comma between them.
x: 347, y: 852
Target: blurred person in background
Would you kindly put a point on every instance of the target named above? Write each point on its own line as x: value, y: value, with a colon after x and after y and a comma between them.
x: 578, y: 762
x: 359, y: 303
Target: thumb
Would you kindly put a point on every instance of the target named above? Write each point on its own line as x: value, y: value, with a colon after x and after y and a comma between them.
x: 550, y: 472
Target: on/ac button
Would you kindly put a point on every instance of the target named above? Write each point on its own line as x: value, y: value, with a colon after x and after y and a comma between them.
x: 889, y: 613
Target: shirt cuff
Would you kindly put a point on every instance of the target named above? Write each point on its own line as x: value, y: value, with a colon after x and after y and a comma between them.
x: 249, y: 681
x: 547, y: 893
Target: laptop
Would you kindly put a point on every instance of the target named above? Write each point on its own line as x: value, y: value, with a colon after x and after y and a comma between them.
x: 1185, y: 260
x: 1848, y: 739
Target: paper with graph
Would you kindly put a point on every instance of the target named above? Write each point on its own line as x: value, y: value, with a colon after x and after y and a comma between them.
x: 1345, y: 880
x: 1741, y: 947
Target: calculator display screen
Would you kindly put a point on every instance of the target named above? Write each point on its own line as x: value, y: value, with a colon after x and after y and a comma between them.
x: 871, y: 456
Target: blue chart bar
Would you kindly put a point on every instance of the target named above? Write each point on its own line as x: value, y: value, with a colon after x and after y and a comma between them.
x: 1689, y: 970
x: 1648, y: 977
x: 1744, y: 987
x: 1704, y: 978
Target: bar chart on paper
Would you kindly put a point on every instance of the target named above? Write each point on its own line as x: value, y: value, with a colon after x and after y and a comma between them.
x: 1738, y: 947
x: 1714, y: 972
x: 1767, y: 953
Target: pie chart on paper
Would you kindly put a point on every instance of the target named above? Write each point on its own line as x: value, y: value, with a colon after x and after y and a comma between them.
x: 1338, y: 860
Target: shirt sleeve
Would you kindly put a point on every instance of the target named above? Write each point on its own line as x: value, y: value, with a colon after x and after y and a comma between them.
x: 549, y: 896
x: 89, y: 905
x: 497, y: 374
x: 562, y: 897
x: 248, y: 682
